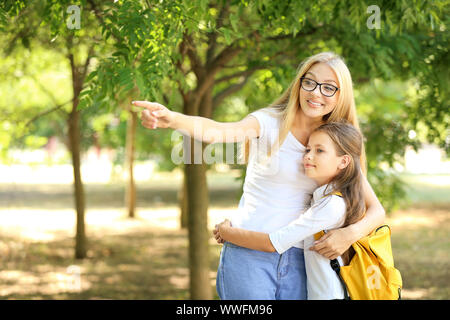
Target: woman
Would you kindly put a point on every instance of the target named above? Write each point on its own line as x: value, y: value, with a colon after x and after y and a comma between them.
x: 276, y: 189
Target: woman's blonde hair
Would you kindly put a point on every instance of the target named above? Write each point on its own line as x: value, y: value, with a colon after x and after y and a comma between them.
x: 287, y: 104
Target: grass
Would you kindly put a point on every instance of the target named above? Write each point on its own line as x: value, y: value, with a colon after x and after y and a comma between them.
x: 146, y: 257
x: 426, y: 190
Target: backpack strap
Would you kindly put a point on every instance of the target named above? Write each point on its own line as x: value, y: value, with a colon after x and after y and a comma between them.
x: 335, y: 193
x: 337, y: 268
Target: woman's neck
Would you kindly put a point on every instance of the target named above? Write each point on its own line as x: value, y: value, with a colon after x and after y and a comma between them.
x: 306, y: 123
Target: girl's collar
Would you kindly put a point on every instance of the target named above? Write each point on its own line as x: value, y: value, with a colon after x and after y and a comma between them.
x: 323, y: 190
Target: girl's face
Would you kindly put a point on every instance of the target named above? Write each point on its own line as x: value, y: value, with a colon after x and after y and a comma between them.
x: 313, y: 103
x: 320, y: 161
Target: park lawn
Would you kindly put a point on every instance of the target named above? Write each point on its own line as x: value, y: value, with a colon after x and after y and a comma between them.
x: 146, y: 258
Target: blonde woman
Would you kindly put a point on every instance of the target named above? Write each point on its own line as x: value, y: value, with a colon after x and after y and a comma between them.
x: 276, y: 189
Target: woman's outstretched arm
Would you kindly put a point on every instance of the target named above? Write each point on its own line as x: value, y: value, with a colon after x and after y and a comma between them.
x: 337, y: 241
x: 203, y: 129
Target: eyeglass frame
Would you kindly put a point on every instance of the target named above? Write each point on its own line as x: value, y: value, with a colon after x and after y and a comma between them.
x: 317, y: 84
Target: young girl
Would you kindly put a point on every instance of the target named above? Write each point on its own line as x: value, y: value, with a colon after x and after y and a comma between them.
x: 332, y: 161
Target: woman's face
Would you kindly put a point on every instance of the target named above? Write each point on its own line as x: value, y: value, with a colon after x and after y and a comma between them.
x: 313, y: 103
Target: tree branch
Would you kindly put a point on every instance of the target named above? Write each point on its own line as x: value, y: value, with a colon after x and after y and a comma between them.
x: 223, y: 58
x: 191, y: 51
x: 99, y: 17
x: 57, y: 107
x: 238, y: 74
x: 86, y: 64
x: 218, y: 98
x: 212, y: 43
x: 291, y: 35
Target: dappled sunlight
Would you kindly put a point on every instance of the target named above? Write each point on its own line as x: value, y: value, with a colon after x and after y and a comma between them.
x: 179, y: 278
x: 414, y: 294
x: 36, y: 225
x: 50, y: 282
x: 147, y: 257
x: 92, y: 171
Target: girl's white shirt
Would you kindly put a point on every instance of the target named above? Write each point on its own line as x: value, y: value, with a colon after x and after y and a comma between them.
x: 325, y: 213
x: 276, y: 189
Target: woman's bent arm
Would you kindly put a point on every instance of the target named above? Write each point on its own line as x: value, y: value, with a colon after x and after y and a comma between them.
x: 336, y: 242
x: 374, y: 217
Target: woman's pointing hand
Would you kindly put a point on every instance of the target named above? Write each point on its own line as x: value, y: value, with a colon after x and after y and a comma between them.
x: 155, y: 115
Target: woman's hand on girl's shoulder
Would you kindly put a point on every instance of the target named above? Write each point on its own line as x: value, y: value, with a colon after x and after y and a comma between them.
x: 332, y: 244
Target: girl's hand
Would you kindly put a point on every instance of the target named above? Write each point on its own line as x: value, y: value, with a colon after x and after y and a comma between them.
x: 155, y: 115
x: 219, y: 228
x: 217, y: 235
x: 333, y: 243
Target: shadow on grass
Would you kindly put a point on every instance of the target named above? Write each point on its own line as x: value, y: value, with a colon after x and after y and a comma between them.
x: 103, y: 196
x: 140, y: 265
x: 151, y: 263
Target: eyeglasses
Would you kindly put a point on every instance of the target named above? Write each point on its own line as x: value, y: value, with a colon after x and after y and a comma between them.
x: 326, y: 89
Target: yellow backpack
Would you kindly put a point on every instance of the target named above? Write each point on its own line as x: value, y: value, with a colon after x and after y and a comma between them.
x: 370, y: 274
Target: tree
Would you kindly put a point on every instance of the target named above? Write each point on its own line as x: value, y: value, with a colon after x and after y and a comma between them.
x: 192, y: 56
x: 78, y: 46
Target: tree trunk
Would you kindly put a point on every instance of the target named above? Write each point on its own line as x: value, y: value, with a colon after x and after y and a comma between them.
x: 74, y: 140
x: 197, y: 203
x: 197, y: 193
x: 78, y: 75
x: 130, y: 193
x: 183, y: 203
x: 74, y: 136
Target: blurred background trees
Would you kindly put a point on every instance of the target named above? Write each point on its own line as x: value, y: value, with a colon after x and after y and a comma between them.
x: 218, y: 59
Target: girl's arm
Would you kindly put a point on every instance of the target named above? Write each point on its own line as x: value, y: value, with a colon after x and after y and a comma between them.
x: 336, y: 242
x: 244, y: 238
x: 203, y: 129
x: 326, y: 214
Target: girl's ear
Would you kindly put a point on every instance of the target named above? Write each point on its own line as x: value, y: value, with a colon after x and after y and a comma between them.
x: 345, y: 160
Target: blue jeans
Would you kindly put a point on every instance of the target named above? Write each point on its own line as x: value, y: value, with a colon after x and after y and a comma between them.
x: 246, y: 274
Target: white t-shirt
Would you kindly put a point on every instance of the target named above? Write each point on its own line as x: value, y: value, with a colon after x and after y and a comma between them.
x: 325, y: 213
x: 276, y: 190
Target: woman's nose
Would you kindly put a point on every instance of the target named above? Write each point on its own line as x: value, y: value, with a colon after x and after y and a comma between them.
x: 316, y: 91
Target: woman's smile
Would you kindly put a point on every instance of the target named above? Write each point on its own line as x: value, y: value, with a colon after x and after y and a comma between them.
x: 314, y: 104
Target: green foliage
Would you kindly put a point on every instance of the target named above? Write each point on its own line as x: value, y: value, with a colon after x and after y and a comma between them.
x: 400, y: 71
x: 141, y: 53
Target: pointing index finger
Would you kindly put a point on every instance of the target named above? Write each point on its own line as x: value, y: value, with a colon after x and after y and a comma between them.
x: 152, y: 106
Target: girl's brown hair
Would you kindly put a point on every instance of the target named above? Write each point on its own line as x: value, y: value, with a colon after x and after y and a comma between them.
x: 348, y: 141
